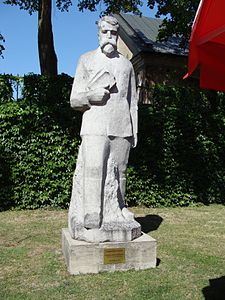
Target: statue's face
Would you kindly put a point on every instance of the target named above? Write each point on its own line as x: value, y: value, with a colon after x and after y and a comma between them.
x: 108, y: 35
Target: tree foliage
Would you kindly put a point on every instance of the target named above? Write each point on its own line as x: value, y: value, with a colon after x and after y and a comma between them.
x: 112, y: 6
x: 178, y: 17
x: 32, y: 6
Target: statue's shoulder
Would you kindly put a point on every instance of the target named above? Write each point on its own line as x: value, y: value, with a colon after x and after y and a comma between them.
x: 88, y: 55
x: 125, y: 61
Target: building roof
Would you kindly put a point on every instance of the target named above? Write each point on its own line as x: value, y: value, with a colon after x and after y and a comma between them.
x: 140, y: 35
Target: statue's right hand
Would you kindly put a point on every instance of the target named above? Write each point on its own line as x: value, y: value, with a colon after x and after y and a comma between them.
x: 98, y: 96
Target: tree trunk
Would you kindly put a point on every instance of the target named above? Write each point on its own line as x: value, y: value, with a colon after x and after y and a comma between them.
x: 47, y: 55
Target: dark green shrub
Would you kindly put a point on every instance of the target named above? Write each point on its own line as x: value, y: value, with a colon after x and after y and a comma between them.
x: 180, y: 156
x: 41, y: 157
x: 39, y: 142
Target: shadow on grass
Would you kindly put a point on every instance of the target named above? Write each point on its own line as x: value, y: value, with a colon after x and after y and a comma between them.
x: 149, y: 222
x: 215, y: 290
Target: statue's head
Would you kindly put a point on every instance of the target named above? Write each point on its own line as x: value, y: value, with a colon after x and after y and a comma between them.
x: 108, y: 34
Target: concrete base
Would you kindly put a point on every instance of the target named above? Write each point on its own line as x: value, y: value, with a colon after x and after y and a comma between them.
x: 83, y: 257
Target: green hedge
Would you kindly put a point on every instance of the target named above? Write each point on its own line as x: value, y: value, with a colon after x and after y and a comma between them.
x: 179, y: 159
x: 180, y: 156
x: 39, y: 137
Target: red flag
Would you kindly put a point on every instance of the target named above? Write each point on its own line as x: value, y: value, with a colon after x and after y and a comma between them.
x: 207, y: 45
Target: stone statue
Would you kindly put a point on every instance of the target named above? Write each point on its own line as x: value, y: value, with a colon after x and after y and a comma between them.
x: 104, y: 90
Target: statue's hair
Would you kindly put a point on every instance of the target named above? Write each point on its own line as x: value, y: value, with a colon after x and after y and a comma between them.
x: 108, y: 19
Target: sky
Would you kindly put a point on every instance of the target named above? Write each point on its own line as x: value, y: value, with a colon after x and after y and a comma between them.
x: 74, y: 34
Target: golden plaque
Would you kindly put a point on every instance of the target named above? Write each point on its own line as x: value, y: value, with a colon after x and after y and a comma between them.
x: 114, y: 256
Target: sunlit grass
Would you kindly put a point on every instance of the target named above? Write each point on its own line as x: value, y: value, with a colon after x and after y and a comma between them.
x: 190, y: 251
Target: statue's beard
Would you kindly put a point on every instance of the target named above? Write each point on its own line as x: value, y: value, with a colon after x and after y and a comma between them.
x: 108, y: 48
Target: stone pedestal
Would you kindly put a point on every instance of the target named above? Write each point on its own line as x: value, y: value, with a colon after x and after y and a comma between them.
x: 83, y: 257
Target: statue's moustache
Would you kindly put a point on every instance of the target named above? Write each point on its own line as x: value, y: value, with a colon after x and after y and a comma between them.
x: 107, y: 42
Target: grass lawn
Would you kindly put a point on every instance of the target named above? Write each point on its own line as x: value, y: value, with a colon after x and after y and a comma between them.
x: 190, y: 251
